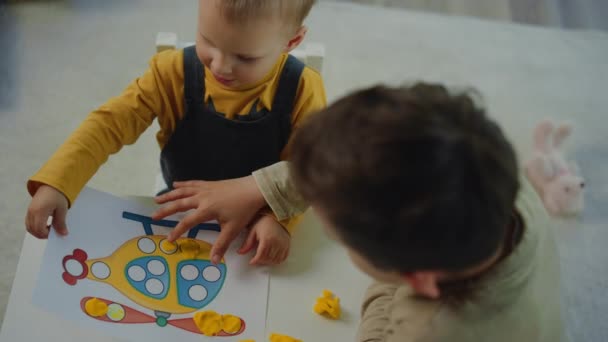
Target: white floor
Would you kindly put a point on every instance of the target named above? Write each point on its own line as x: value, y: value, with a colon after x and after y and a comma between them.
x: 574, y: 14
x: 61, y: 59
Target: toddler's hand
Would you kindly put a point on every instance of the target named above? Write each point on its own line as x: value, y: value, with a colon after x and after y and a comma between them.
x: 47, y: 201
x: 233, y: 203
x: 272, y: 240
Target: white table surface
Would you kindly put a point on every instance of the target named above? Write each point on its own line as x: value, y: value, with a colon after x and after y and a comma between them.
x: 315, y: 263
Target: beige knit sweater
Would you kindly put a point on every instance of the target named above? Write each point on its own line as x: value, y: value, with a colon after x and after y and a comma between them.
x: 518, y: 300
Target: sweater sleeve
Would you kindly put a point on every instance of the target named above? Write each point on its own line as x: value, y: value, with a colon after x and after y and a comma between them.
x: 375, y: 315
x: 118, y: 122
x: 279, y: 191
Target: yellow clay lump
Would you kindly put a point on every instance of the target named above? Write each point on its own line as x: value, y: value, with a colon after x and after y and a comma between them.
x: 168, y: 247
x: 208, y: 322
x: 328, y: 305
x: 95, y: 307
x: 190, y: 248
x: 231, y: 324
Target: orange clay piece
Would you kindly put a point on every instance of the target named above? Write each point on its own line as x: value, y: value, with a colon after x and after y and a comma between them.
x: 208, y: 322
x: 190, y: 249
x: 231, y: 324
x: 328, y: 305
x: 282, y: 338
x: 95, y: 308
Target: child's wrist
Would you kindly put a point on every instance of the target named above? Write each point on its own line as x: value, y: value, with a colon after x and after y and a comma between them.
x: 267, y: 215
x: 254, y: 192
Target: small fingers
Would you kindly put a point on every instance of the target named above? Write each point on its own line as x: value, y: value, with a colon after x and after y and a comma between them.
x: 263, y: 255
x: 260, y: 255
x: 39, y: 226
x: 59, y: 221
x: 36, y: 222
x: 273, y: 255
x: 280, y: 255
x: 174, y: 194
x: 284, y: 256
x: 227, y: 234
x: 186, y: 224
x: 174, y: 207
x: 28, y: 222
x: 249, y: 243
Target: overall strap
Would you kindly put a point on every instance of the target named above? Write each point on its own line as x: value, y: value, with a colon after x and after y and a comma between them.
x: 194, y: 80
x: 285, y: 95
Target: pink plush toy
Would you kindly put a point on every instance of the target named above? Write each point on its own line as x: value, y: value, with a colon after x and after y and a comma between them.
x: 558, y: 183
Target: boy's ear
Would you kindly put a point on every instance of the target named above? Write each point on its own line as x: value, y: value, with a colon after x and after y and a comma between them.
x: 424, y: 283
x: 296, y: 39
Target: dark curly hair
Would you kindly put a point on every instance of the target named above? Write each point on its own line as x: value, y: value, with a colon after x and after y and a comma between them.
x: 413, y: 178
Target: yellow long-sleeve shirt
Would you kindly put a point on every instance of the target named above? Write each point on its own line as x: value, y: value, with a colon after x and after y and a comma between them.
x: 159, y: 94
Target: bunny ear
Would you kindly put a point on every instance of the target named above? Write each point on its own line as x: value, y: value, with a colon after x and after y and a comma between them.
x: 542, y: 133
x: 563, y: 131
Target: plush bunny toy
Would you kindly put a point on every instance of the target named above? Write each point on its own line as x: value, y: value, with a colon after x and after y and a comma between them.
x: 558, y: 183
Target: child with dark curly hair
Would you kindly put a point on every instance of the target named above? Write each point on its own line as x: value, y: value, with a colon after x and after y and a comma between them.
x: 425, y: 193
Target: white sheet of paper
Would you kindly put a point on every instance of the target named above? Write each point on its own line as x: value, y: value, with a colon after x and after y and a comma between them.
x: 96, y: 226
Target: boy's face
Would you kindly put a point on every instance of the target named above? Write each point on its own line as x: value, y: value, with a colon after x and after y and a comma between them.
x: 238, y: 55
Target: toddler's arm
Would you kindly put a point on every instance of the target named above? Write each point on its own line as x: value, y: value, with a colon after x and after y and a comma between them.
x: 233, y: 203
x: 118, y: 122
x: 279, y: 191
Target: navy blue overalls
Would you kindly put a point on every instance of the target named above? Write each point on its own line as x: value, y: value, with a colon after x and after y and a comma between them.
x: 208, y: 146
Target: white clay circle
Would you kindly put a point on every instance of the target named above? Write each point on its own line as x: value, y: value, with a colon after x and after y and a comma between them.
x: 100, y: 270
x: 136, y: 273
x: 154, y: 286
x: 211, y: 274
x: 156, y: 267
x: 146, y: 245
x: 197, y: 293
x: 189, y: 272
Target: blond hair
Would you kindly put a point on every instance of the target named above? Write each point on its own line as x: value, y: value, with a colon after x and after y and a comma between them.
x: 292, y: 12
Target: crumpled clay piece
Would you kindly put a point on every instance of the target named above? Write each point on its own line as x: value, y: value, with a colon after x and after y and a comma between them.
x: 231, y: 324
x: 208, y: 322
x: 211, y: 323
x: 328, y: 305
